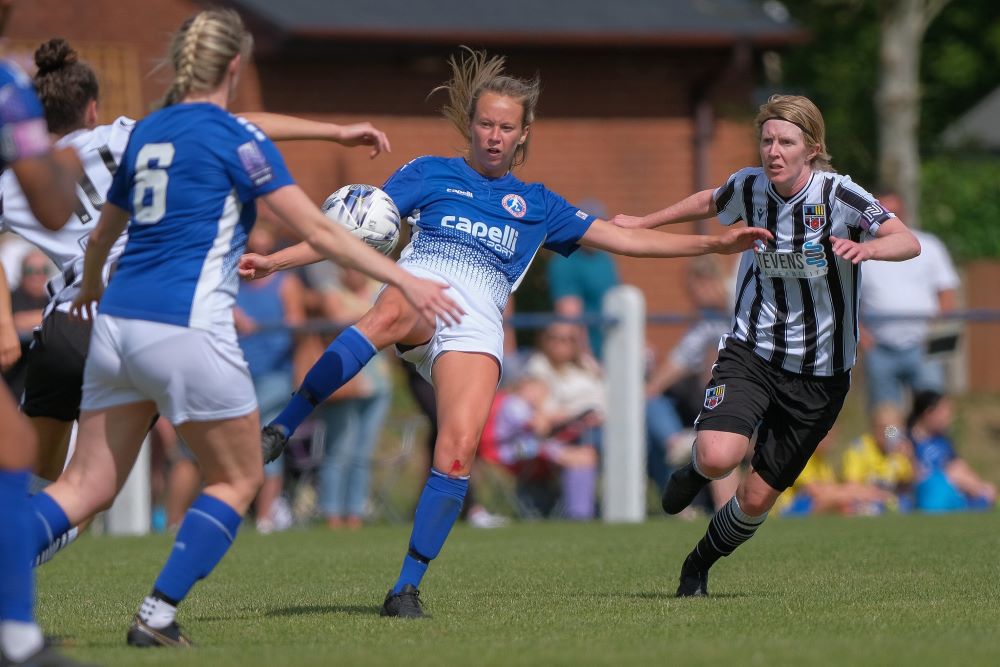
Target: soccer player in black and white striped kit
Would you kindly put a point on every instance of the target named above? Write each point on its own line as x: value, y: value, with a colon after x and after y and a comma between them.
x: 784, y: 369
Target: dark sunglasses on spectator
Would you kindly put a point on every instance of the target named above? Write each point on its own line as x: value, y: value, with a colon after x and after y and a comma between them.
x: 34, y: 270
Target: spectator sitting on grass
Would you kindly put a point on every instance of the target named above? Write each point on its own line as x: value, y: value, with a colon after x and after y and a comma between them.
x: 883, y: 457
x: 947, y: 482
x: 818, y: 490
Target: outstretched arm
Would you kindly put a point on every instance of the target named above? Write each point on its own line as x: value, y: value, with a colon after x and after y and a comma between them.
x: 253, y: 266
x: 698, y: 206
x: 894, y: 242
x: 649, y: 243
x: 333, y: 241
x: 290, y: 128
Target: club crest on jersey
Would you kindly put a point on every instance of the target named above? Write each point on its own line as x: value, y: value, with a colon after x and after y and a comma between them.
x: 714, y: 396
x: 814, y: 216
x: 514, y: 204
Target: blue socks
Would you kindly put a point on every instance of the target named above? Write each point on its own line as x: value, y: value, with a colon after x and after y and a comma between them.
x: 209, y: 527
x: 347, y: 354
x: 48, y: 524
x: 438, y: 509
x: 16, y: 580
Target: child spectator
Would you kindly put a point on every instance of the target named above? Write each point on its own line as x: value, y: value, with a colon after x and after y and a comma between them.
x: 947, y: 482
x: 818, y: 490
x: 883, y: 457
x: 530, y: 442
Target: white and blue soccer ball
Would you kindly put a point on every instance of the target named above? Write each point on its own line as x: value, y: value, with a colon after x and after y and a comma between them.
x: 368, y: 213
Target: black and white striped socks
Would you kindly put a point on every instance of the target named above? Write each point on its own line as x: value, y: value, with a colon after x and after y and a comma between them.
x: 729, y: 528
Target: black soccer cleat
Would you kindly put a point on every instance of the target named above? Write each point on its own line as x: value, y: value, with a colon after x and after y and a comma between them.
x: 46, y: 657
x: 404, y: 604
x: 682, y: 487
x: 273, y: 439
x: 694, y: 580
x: 143, y: 636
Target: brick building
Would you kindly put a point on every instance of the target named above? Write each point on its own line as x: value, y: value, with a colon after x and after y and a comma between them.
x: 644, y: 101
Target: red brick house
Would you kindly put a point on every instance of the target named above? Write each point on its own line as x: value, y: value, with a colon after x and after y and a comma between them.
x: 644, y: 101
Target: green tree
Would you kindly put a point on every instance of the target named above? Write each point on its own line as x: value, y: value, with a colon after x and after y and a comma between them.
x: 837, y: 67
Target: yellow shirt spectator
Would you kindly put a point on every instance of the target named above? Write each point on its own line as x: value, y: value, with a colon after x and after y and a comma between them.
x: 817, y: 470
x: 865, y: 462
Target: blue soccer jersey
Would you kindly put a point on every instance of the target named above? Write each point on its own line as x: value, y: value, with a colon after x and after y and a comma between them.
x: 23, y: 131
x: 480, y: 231
x: 188, y: 179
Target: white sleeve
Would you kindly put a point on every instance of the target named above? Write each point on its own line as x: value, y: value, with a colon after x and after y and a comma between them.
x: 943, y: 273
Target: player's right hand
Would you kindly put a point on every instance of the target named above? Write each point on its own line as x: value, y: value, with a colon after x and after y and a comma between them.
x: 431, y: 301
x: 254, y: 267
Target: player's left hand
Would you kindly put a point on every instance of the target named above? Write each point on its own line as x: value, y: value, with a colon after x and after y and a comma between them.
x: 850, y: 250
x: 365, y: 134
x: 84, y: 306
x: 627, y: 221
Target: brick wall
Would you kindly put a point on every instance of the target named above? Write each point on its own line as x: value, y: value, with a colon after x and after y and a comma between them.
x: 612, y: 125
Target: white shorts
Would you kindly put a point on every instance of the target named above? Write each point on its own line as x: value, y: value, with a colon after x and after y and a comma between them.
x: 481, y: 328
x: 191, y: 374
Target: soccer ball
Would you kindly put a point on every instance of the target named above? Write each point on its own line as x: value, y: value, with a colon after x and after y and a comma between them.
x: 368, y: 213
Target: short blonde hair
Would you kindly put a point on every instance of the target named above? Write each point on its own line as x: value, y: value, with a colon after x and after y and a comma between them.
x: 799, y: 111
x: 476, y: 73
x: 201, y: 51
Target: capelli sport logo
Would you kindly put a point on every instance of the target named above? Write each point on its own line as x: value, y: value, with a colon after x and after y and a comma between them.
x: 514, y: 204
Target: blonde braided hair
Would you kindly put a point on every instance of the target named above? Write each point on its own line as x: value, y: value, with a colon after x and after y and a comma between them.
x: 201, y: 51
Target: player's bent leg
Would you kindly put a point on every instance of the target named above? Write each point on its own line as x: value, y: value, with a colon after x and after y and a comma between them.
x: 465, y: 384
x: 107, y: 445
x: 731, y: 526
x: 756, y: 496
x: 714, y: 455
x: 53, y: 446
x: 392, y: 319
x: 232, y: 466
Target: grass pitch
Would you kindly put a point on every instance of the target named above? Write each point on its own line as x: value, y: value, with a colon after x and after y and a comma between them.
x: 913, y: 590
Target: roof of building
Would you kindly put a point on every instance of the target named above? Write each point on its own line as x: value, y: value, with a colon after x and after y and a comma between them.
x: 978, y: 126
x: 674, y: 23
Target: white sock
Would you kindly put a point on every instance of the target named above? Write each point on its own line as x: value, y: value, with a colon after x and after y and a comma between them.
x: 19, y: 640
x: 156, y: 613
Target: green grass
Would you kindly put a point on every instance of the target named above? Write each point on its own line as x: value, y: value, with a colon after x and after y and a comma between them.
x: 915, y: 590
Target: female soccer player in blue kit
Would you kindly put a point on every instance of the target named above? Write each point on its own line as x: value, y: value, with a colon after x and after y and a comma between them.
x: 164, y: 339
x: 478, y: 227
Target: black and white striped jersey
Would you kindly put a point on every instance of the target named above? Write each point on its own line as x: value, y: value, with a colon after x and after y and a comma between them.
x: 796, y: 301
x: 100, y: 151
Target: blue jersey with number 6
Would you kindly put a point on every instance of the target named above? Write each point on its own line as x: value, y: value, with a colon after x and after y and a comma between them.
x: 188, y: 179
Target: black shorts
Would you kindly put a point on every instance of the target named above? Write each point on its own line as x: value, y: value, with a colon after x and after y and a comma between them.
x: 54, y: 384
x: 791, y: 413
